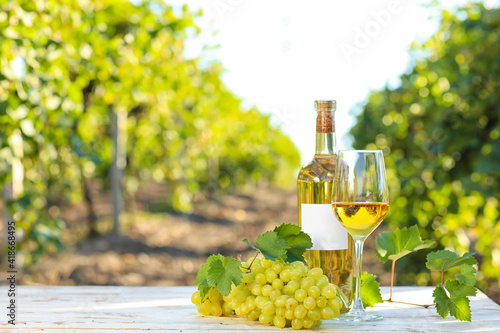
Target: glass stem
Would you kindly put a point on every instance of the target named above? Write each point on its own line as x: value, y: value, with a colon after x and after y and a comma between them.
x: 357, y: 306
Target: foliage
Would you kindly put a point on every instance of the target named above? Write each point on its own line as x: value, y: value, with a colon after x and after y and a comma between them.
x: 81, y: 62
x: 452, y: 296
x: 439, y: 132
x: 286, y: 241
x: 370, y: 290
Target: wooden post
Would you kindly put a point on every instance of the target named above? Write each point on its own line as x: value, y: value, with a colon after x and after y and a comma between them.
x: 119, y: 137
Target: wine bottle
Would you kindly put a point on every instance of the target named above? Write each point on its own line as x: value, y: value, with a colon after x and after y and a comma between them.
x: 333, y: 247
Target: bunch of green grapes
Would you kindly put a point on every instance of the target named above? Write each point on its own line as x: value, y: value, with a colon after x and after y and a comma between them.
x: 277, y: 293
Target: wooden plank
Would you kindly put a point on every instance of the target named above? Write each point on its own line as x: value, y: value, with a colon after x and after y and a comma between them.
x: 111, y: 309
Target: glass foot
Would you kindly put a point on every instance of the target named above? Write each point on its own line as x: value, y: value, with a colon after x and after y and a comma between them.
x: 358, y: 316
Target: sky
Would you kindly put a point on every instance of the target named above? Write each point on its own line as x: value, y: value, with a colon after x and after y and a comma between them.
x: 282, y: 55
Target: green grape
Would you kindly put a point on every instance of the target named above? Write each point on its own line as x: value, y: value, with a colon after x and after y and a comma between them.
x: 261, y: 278
x: 204, y: 308
x: 314, y: 314
x: 266, y: 263
x: 315, y: 272
x: 336, y: 313
x: 257, y: 268
x: 329, y: 292
x: 300, y: 268
x: 309, y: 303
x: 300, y: 295
x: 280, y: 312
x: 307, y: 323
x: 318, y: 323
x: 300, y: 311
x: 335, y: 303
x: 265, y: 319
x: 248, y: 277
x: 321, y: 302
x: 280, y: 302
x: 295, y: 275
x: 285, y: 275
x: 244, y: 309
x: 322, y: 281
x: 253, y: 315
x: 226, y: 309
x: 214, y: 295
x: 260, y: 301
x: 270, y: 275
x: 215, y: 309
x: 291, y: 303
x: 307, y: 283
x: 266, y: 290
x: 196, y: 298
x: 293, y: 286
x: 279, y: 322
x: 277, y: 267
x: 256, y: 289
x: 241, y: 296
x: 269, y: 308
x: 289, y: 314
x: 275, y: 293
x: 277, y: 284
x: 326, y: 313
x: 250, y: 302
x: 297, y: 324
x: 233, y: 304
x: 314, y: 292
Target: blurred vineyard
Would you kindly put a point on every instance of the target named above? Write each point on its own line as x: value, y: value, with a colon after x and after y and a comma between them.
x: 108, y: 130
x: 98, y: 94
x: 440, y: 133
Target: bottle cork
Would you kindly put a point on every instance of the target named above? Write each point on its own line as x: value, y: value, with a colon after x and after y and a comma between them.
x: 325, y: 121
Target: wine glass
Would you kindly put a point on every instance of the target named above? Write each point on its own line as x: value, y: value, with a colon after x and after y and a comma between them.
x: 360, y: 201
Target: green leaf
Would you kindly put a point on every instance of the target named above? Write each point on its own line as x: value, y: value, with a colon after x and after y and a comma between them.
x: 272, y: 246
x: 457, y: 303
x: 467, y: 275
x: 370, y: 290
x: 203, y: 272
x: 203, y: 288
x: 396, y: 244
x: 223, y: 273
x: 444, y: 260
x: 298, y: 241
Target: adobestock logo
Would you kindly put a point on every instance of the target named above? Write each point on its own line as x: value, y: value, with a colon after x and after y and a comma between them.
x: 371, y: 29
x: 222, y: 7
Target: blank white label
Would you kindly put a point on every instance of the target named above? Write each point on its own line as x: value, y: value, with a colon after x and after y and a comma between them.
x: 325, y: 230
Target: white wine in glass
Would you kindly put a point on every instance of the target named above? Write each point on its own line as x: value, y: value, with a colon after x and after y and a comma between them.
x: 360, y: 201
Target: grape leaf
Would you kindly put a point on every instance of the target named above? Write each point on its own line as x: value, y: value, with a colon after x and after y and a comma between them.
x: 443, y: 260
x: 370, y: 290
x: 467, y: 275
x: 272, y: 246
x: 223, y: 273
x: 298, y: 241
x: 203, y: 287
x: 457, y: 303
x: 396, y: 244
x: 203, y: 272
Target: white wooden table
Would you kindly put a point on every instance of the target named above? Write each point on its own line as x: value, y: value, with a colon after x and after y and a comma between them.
x: 165, y: 309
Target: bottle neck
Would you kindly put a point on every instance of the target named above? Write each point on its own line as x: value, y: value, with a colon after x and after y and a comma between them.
x: 325, y: 133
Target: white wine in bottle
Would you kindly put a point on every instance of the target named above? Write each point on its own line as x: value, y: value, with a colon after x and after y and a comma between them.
x: 333, y: 247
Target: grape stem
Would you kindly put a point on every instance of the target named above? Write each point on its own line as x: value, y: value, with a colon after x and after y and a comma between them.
x: 256, y: 254
x: 423, y: 305
x: 392, y: 279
